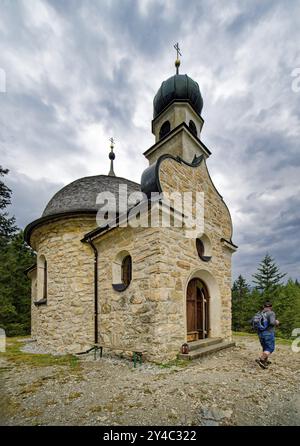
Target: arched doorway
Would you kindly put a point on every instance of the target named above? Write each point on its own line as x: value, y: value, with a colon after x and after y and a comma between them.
x: 197, y: 310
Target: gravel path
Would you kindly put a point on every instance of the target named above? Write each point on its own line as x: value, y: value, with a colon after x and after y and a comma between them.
x: 227, y: 388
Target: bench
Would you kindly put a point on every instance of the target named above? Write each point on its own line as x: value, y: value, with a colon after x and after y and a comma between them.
x: 137, y: 355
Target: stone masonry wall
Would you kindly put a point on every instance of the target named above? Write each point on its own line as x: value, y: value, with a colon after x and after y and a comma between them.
x: 181, y: 258
x: 151, y: 313
x: 66, y: 323
x: 130, y: 318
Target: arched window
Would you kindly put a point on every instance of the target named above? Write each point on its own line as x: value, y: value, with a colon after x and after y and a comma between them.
x: 42, y: 281
x: 122, y: 271
x: 45, y: 285
x: 165, y: 129
x: 193, y: 127
x: 126, y: 271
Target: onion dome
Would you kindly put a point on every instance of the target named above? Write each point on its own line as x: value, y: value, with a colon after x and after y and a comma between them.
x: 178, y: 87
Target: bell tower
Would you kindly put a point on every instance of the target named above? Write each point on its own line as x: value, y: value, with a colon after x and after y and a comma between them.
x: 177, y: 122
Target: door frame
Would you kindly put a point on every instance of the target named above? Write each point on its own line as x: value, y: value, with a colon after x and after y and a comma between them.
x: 215, y: 327
x: 202, y: 298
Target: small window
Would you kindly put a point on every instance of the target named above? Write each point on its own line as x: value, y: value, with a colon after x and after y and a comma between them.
x: 45, y: 286
x: 165, y: 129
x: 122, y: 271
x: 126, y: 271
x: 193, y: 127
x: 42, y: 281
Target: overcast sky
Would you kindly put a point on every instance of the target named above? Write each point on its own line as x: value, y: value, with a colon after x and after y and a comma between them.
x: 78, y: 72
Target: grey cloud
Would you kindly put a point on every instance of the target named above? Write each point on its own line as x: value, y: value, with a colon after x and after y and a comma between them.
x: 29, y: 197
x: 250, y: 14
x: 99, y: 58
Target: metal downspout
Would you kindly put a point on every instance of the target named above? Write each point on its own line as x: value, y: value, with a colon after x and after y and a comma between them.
x: 95, y: 290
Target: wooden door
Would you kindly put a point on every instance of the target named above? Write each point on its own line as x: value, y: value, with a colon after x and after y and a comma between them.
x: 191, y: 311
x: 197, y: 302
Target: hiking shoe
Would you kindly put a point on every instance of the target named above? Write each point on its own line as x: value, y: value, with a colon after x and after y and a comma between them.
x: 268, y: 362
x: 261, y: 363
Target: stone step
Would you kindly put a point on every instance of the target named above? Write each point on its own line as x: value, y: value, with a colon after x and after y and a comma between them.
x: 203, y: 351
x: 194, y: 345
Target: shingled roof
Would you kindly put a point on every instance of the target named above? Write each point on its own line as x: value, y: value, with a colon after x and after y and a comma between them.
x: 80, y: 195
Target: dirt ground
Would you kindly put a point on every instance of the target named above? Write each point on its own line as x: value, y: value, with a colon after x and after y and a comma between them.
x: 227, y: 388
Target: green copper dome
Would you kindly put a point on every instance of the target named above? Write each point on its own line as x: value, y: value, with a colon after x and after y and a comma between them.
x: 178, y: 87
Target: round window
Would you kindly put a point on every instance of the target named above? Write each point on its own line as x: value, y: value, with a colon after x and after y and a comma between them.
x: 200, y: 247
x: 203, y: 248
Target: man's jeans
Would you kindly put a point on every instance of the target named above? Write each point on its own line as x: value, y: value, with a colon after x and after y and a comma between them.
x: 267, y: 340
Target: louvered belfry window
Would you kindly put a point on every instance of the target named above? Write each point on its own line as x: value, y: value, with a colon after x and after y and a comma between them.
x: 165, y: 129
x: 193, y: 127
x: 126, y: 270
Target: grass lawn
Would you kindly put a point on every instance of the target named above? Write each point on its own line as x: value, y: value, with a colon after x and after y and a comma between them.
x: 254, y: 335
x: 13, y: 353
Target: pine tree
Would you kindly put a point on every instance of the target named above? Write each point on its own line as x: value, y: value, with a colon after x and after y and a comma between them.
x: 15, y: 296
x: 240, y: 296
x: 16, y: 256
x: 7, y: 224
x: 287, y: 308
x: 268, y: 277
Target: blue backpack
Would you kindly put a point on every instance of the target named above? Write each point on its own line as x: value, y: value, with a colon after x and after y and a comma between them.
x: 260, y: 321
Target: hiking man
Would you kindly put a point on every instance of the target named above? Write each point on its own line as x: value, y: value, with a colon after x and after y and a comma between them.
x: 264, y: 323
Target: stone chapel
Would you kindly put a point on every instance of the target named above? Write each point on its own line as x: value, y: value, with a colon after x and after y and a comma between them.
x: 149, y: 289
